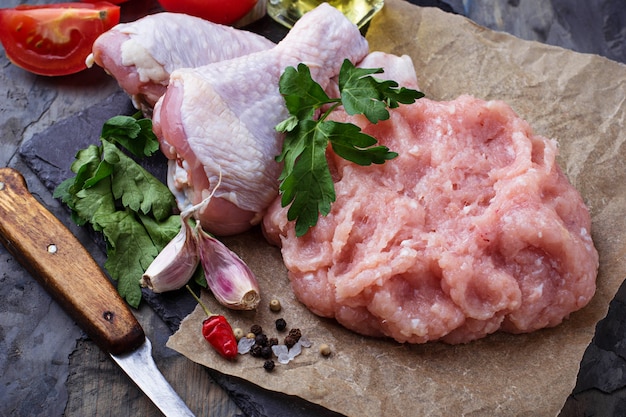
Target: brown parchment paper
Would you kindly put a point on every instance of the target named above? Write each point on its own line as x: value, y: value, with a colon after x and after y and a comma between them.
x: 578, y: 99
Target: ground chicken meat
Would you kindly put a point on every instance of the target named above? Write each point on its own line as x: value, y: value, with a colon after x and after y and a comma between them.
x: 472, y: 229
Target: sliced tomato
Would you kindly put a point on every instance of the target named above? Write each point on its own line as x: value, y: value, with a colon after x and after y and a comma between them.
x: 54, y: 39
x: 216, y: 11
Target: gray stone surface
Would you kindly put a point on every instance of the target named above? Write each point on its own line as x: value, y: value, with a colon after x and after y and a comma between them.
x: 597, y: 27
x: 32, y: 327
x: 36, y: 357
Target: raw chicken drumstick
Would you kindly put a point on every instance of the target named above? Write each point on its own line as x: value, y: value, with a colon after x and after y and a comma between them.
x: 218, y: 120
x: 141, y: 55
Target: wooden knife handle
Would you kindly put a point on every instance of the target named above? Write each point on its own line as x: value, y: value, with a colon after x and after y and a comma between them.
x: 55, y: 257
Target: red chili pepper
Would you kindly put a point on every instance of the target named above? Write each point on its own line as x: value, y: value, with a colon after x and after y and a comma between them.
x: 218, y: 332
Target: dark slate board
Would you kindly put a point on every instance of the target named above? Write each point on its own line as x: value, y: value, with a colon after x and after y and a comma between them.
x: 601, y: 384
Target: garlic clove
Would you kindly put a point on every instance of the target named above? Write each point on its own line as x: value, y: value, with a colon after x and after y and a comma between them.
x: 175, y: 264
x: 232, y: 282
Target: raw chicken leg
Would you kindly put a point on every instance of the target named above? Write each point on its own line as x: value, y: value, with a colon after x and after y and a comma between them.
x: 142, y: 54
x: 219, y: 120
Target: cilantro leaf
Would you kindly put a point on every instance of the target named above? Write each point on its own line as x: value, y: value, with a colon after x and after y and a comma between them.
x: 129, y: 252
x: 118, y: 197
x: 134, y: 135
x: 103, y: 170
x: 85, y: 165
x: 84, y: 205
x: 135, y: 187
x: 62, y: 191
x: 90, y: 204
x: 305, y: 181
x: 161, y: 232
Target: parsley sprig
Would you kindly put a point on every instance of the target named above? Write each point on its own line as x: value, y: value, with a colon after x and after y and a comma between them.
x: 116, y: 196
x: 305, y: 181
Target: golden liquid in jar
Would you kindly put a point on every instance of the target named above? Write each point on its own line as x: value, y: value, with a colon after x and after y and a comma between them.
x: 287, y: 12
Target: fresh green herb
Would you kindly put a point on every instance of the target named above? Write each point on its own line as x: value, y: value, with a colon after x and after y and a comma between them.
x: 305, y: 181
x: 118, y: 197
x: 132, y: 133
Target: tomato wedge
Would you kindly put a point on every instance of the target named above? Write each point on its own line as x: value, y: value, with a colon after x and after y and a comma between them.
x: 54, y: 39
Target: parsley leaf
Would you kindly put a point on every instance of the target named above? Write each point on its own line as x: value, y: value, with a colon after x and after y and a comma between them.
x: 307, y: 185
x: 118, y: 197
x: 306, y: 182
x: 353, y: 145
x: 363, y: 94
x: 129, y: 252
x: 161, y: 232
x: 134, y: 134
x: 135, y: 187
x: 303, y: 96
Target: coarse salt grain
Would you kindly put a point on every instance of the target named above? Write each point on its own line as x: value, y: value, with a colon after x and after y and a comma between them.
x: 244, y: 345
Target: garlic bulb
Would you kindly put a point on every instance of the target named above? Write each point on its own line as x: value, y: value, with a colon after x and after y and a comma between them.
x: 232, y: 282
x: 176, y: 263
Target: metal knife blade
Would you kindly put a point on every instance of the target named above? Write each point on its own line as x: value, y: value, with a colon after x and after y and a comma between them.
x: 56, y: 258
x: 140, y: 367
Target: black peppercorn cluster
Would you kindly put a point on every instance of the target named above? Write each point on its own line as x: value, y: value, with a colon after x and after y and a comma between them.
x: 262, y: 347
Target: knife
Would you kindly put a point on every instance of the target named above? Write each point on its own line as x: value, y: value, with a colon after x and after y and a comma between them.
x: 56, y: 258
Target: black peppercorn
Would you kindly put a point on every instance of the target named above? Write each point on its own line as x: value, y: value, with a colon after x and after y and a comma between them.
x: 269, y: 365
x: 256, y: 329
x: 266, y: 352
x: 255, y: 350
x: 293, y: 337
x: 295, y: 333
x: 261, y: 339
x: 281, y: 324
x: 290, y: 341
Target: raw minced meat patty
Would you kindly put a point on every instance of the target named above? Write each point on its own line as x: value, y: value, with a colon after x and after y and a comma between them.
x: 473, y: 228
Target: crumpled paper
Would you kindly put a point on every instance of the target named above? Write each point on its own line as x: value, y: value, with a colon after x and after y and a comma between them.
x: 578, y: 99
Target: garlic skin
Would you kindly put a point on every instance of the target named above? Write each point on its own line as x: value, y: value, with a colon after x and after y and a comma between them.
x: 175, y: 264
x: 232, y: 282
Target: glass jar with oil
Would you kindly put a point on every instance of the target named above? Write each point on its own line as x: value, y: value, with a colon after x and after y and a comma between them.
x: 287, y: 12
